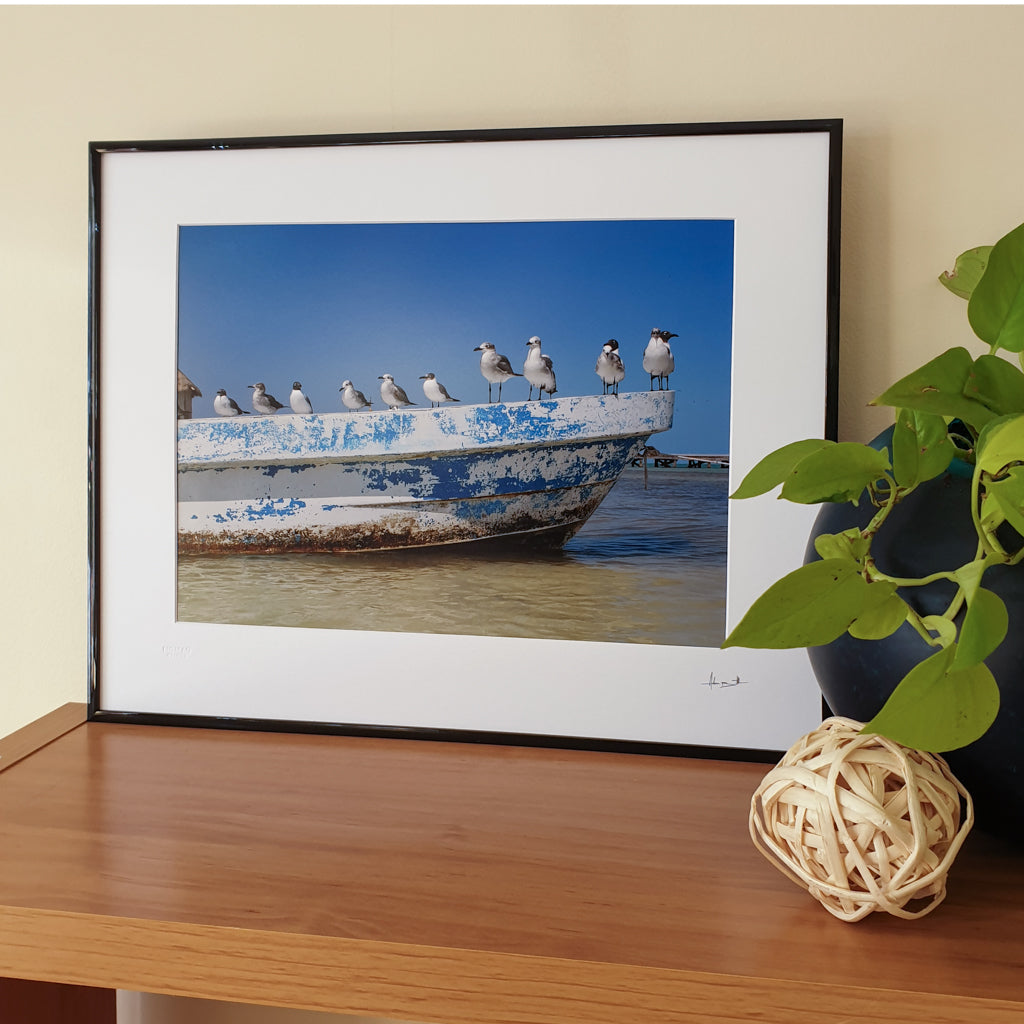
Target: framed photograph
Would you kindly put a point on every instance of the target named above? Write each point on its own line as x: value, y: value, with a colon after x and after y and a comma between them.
x: 432, y: 434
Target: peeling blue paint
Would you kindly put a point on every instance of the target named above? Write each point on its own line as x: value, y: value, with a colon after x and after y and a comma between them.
x: 287, y: 439
x: 460, y: 474
x: 393, y: 478
x: 482, y: 507
x: 275, y: 508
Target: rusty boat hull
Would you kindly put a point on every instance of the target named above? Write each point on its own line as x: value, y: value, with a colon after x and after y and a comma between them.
x: 513, y: 473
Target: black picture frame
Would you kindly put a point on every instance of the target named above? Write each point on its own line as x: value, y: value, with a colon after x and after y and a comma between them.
x: 770, y: 173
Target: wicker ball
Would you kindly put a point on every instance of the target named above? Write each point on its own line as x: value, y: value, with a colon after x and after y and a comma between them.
x: 862, y: 823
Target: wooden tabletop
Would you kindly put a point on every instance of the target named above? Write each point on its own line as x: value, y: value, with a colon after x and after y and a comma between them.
x: 457, y: 883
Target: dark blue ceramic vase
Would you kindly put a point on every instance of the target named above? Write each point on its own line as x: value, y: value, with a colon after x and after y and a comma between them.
x: 928, y: 531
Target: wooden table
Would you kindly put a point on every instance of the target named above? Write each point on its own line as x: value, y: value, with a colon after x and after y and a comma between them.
x: 456, y: 883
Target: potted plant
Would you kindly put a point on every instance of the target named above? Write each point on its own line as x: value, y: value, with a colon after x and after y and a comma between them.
x: 944, y: 485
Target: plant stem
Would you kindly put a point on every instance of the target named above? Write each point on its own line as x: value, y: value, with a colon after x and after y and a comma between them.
x: 915, y: 620
x: 877, y: 576
x: 892, y: 497
x: 986, y: 537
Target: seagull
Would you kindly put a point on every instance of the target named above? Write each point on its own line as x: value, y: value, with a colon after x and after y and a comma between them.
x: 298, y: 401
x: 435, y: 390
x: 262, y: 403
x: 658, y: 361
x: 354, y: 400
x: 609, y: 366
x: 495, y: 368
x: 224, y: 406
x: 538, y: 370
x: 394, y: 397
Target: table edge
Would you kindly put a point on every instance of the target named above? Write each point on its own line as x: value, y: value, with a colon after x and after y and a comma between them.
x: 26, y: 741
x: 426, y: 983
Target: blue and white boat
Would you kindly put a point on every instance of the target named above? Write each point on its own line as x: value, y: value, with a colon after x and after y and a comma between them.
x: 521, y: 472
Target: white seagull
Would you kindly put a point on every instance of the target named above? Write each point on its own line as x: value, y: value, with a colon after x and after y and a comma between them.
x: 224, y: 406
x: 539, y: 370
x: 394, y: 397
x: 298, y: 401
x: 354, y: 400
x: 658, y: 361
x: 435, y: 390
x: 262, y: 403
x: 495, y: 368
x: 609, y: 366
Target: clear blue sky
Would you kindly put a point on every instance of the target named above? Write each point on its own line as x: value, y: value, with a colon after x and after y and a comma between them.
x: 322, y: 303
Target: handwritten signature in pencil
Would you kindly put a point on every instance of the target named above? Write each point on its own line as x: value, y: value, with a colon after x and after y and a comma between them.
x: 714, y: 683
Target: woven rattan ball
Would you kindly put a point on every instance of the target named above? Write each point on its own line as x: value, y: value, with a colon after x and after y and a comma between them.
x: 862, y: 823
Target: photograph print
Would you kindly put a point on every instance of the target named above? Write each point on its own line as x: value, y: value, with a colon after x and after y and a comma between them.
x: 502, y: 428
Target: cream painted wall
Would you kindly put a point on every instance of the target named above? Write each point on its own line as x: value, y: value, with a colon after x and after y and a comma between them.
x: 933, y: 152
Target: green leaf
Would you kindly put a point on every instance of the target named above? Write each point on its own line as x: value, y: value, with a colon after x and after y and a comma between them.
x: 969, y: 577
x: 921, y: 448
x: 996, y: 307
x: 937, y: 708
x: 1008, y: 494
x: 1000, y: 446
x: 945, y: 628
x: 776, y: 466
x: 939, y: 387
x: 992, y: 515
x: 849, y: 545
x: 997, y: 384
x: 838, y: 473
x: 967, y: 271
x: 984, y: 629
x: 881, y: 621
x: 808, y: 607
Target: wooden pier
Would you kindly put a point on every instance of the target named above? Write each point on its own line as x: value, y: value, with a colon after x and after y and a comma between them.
x: 665, y: 460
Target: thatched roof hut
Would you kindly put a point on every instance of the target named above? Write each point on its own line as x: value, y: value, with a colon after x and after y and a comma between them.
x: 186, y: 392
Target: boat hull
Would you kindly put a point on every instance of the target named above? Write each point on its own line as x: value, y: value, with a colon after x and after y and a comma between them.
x: 522, y: 472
